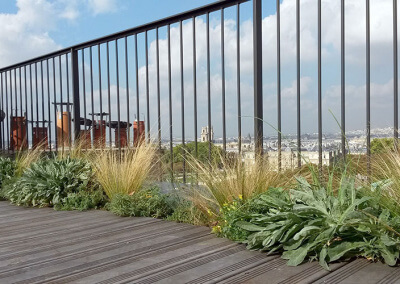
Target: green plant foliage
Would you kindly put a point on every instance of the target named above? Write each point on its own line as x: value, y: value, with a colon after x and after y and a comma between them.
x: 381, y: 145
x: 7, y: 170
x: 202, y: 152
x: 143, y: 203
x: 245, y: 210
x: 185, y: 212
x: 82, y: 200
x: 48, y: 181
x: 317, y: 224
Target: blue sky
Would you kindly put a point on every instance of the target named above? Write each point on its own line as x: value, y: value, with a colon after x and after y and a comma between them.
x: 34, y: 27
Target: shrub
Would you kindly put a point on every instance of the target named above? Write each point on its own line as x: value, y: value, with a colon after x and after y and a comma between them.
x: 82, y: 200
x: 24, y: 159
x: 190, y: 150
x: 245, y: 210
x: 184, y: 211
x: 386, y: 179
x: 315, y: 223
x: 7, y: 169
x: 381, y: 145
x: 48, y: 181
x: 234, y: 179
x: 123, y: 173
x: 142, y: 203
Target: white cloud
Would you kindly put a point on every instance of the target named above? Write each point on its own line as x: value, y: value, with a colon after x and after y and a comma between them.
x: 26, y: 34
x: 102, y: 6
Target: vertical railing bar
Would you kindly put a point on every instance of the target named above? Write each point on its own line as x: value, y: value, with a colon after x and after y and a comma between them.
x: 2, y: 110
x: 182, y: 102
x: 68, y: 101
x: 16, y: 101
x: 238, y: 79
x: 147, y: 87
x: 102, y: 143
x: 109, y: 94
x: 127, y: 90
x: 91, y: 89
x: 319, y: 91
x: 61, y: 106
x: 258, y: 92
x: 118, y: 98
x: 170, y: 104
x: 37, y: 99
x: 343, y: 80
x: 368, y: 87
x: 395, y: 75
x: 158, y: 89
x: 278, y: 78
x: 298, y: 83
x: 83, y: 138
x: 137, y: 87
x: 11, y: 108
x: 20, y: 95
x: 48, y: 102
x: 208, y: 87
x: 76, y: 99
x: 42, y: 86
x: 31, y: 95
x: 223, y: 79
x: 195, y: 86
x: 55, y: 101
x: 7, y: 114
x: 26, y: 107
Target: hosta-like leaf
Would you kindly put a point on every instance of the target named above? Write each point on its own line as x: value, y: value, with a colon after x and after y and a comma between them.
x: 307, y: 210
x: 384, y: 216
x: 336, y: 252
x: 388, y: 241
x: 389, y: 254
x: 249, y: 226
x: 292, y: 244
x: 352, y: 207
x: 302, y: 196
x: 295, y: 257
x: 307, y: 230
x: 322, y: 258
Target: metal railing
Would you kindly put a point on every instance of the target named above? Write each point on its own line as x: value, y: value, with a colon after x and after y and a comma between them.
x: 38, y: 90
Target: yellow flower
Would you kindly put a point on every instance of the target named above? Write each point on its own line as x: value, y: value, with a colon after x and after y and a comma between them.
x: 240, y: 197
x: 216, y: 229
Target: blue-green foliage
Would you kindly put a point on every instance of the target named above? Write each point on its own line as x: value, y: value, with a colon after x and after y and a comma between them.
x: 7, y: 169
x: 147, y: 202
x: 49, y: 181
x: 306, y: 223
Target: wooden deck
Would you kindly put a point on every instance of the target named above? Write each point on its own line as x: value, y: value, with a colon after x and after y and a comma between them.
x: 46, y: 246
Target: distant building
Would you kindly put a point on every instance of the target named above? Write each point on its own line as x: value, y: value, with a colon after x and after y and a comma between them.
x: 204, y: 134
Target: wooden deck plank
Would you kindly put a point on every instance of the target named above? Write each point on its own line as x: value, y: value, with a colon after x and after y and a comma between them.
x: 46, y: 246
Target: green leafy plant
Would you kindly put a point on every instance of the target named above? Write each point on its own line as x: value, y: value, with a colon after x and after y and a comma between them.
x: 184, y: 211
x: 315, y: 223
x: 148, y: 202
x: 190, y: 149
x: 382, y: 145
x: 48, y: 181
x: 82, y: 200
x: 7, y: 169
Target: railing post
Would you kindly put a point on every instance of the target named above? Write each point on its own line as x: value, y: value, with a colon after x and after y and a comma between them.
x: 257, y: 59
x: 75, y: 92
